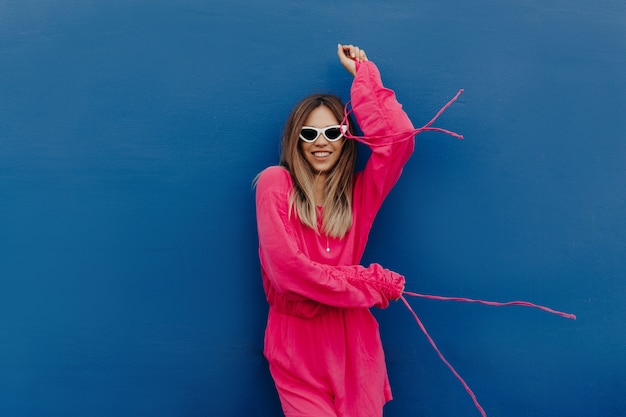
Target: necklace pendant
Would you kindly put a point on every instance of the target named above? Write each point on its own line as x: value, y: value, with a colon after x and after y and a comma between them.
x: 327, y: 249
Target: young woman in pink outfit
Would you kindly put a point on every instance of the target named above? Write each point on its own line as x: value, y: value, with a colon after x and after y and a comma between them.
x: 314, y: 214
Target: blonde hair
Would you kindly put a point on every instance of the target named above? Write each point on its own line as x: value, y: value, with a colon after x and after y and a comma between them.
x: 337, y: 206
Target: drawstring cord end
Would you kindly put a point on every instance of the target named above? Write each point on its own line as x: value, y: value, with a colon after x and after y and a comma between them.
x: 401, y: 136
x: 469, y: 300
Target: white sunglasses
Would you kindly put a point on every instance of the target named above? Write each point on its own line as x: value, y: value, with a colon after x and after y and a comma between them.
x: 331, y: 133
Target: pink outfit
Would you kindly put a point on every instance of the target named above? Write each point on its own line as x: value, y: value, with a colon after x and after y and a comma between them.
x: 321, y: 340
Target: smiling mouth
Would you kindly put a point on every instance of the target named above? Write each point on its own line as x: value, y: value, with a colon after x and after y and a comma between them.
x: 321, y: 154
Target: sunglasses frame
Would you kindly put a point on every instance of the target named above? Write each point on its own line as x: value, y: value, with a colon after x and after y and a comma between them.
x: 342, y: 128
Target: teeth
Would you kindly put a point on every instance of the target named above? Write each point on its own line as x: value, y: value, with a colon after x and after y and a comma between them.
x: 321, y: 154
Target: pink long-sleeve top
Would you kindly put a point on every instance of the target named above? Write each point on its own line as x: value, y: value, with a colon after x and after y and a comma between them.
x: 300, y: 277
x: 321, y: 336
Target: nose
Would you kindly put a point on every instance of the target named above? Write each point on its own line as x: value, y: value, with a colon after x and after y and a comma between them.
x: 320, y: 140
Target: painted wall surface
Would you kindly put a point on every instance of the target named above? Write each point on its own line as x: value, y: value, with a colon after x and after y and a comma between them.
x: 130, y: 132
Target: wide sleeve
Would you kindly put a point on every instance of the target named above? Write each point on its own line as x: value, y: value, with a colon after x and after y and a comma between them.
x: 387, y: 130
x: 294, y: 275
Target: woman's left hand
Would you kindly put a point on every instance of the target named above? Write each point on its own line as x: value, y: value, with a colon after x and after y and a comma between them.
x: 349, y: 55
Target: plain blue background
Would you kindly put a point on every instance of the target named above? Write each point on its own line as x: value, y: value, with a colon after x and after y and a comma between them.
x: 130, y: 132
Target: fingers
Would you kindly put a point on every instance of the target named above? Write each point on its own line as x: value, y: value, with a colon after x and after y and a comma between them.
x: 349, y: 55
x: 344, y: 57
x: 352, y: 52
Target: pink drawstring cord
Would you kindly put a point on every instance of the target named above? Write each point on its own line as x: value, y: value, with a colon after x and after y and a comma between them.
x: 406, y: 135
x: 443, y: 359
x: 469, y: 300
x: 494, y: 303
x: 402, y: 137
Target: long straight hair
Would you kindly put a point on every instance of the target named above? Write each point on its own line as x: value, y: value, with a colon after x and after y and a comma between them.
x: 337, y: 206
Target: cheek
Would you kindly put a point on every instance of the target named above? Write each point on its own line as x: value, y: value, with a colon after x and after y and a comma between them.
x: 338, y: 154
x: 339, y: 147
x: 346, y: 151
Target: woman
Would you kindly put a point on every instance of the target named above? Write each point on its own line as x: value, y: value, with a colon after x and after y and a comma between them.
x: 313, y: 216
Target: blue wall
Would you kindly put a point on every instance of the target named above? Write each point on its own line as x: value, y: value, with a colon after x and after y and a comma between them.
x: 129, y: 135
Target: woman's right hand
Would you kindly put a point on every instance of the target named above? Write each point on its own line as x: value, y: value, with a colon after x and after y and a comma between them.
x: 349, y: 55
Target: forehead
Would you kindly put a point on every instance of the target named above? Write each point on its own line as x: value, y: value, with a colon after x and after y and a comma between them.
x: 321, y: 116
